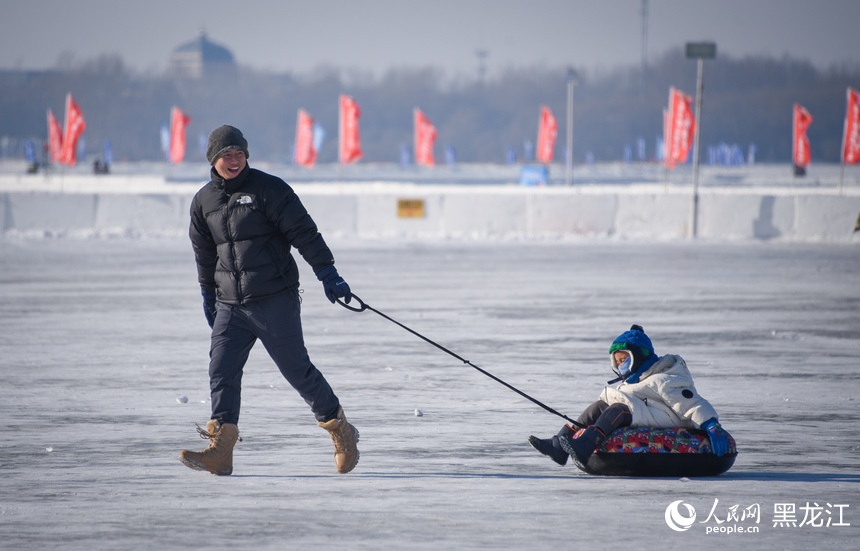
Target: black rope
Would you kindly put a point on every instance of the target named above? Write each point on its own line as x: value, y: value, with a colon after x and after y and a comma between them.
x: 364, y: 306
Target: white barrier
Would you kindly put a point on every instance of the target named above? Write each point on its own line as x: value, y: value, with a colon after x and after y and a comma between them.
x: 371, y: 211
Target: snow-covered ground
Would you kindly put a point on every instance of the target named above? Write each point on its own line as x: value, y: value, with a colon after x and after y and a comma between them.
x: 99, y: 338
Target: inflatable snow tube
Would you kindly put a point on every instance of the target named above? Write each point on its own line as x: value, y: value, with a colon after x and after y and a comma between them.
x: 644, y: 451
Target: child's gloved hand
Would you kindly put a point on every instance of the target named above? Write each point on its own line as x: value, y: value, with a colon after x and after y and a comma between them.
x: 718, y: 436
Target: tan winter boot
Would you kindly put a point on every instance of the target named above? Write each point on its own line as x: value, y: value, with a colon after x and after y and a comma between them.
x: 218, y: 457
x: 345, y: 438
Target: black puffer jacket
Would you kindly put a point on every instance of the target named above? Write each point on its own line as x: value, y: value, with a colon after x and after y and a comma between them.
x: 242, y: 231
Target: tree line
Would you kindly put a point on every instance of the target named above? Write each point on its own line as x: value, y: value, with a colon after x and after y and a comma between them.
x: 746, y: 101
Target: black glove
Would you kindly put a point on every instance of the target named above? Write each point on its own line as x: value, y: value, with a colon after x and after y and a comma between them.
x: 334, y: 285
x: 208, y: 305
x: 719, y: 438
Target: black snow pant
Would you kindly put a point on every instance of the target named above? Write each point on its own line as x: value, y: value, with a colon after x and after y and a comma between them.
x: 604, y: 417
x: 276, y: 321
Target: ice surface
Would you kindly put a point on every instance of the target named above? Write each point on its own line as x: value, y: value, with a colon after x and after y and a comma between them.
x: 99, y: 337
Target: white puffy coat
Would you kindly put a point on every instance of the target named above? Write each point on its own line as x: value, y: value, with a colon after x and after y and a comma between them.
x: 664, y: 397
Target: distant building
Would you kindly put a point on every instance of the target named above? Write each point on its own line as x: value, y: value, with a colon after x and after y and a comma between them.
x: 201, y: 58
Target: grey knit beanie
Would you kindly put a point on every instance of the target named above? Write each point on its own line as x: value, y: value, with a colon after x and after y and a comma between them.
x: 222, y: 139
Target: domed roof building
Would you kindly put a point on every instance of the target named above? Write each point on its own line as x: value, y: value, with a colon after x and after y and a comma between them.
x: 200, y: 58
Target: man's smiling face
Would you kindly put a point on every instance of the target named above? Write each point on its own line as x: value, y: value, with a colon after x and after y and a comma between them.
x: 230, y: 164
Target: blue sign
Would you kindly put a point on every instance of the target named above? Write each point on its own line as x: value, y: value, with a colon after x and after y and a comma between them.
x: 534, y: 175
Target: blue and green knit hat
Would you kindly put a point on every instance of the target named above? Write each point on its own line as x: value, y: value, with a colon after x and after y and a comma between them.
x: 637, y: 343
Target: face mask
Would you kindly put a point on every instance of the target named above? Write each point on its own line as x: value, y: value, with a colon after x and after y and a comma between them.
x: 624, y: 369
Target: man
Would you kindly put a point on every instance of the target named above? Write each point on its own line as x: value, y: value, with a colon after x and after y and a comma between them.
x: 244, y: 223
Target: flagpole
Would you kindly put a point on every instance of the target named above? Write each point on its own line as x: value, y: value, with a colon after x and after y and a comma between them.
x: 844, y: 138
x: 695, y: 214
x: 793, y: 145
x: 415, y: 135
x: 666, y: 145
x: 340, y: 137
x: 700, y: 51
x: 63, y: 157
x: 571, y: 82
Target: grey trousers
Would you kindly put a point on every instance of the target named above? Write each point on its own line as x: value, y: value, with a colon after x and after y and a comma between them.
x: 277, y: 323
x: 605, y: 417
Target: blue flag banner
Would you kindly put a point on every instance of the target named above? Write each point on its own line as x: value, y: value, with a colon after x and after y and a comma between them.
x: 30, y: 151
x: 511, y: 155
x: 165, y: 139
x: 724, y: 154
x: 108, y: 153
x: 319, y: 136
x: 405, y: 155
x: 450, y: 155
x: 528, y: 151
x: 640, y: 149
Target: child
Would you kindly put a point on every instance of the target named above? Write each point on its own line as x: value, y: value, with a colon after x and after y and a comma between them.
x: 654, y: 392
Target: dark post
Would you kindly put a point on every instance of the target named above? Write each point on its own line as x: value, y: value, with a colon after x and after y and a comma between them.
x: 699, y: 51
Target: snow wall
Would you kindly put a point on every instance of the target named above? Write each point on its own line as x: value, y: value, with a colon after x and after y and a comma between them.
x: 392, y: 210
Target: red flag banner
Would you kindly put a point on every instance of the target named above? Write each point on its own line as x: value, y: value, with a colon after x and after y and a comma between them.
x: 305, y: 154
x: 349, y: 150
x: 851, y: 135
x: 547, y: 133
x: 55, y: 139
x: 681, y: 126
x: 800, y: 153
x: 178, y: 122
x: 73, y: 128
x: 425, y: 139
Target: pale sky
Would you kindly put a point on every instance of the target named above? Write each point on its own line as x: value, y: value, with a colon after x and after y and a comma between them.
x: 376, y: 35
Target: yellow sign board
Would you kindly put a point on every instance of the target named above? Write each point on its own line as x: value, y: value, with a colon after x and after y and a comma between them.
x: 410, y: 208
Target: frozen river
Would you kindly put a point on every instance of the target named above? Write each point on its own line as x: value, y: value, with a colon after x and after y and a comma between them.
x: 99, y: 338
